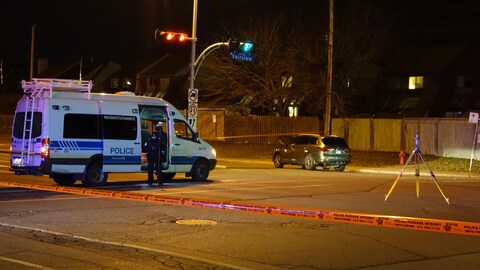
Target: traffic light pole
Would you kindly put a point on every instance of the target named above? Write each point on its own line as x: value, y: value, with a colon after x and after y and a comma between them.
x: 192, y: 95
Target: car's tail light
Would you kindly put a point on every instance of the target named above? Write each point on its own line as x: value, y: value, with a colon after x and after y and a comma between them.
x: 45, y: 150
x: 323, y: 148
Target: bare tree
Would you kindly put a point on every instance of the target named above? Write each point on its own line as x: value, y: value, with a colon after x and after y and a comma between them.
x: 290, y: 62
x: 264, y: 85
x: 361, y: 35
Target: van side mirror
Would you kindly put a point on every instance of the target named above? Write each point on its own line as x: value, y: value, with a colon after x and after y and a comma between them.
x: 195, y: 137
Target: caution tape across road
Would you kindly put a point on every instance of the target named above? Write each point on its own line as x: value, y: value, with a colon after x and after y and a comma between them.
x: 412, y: 223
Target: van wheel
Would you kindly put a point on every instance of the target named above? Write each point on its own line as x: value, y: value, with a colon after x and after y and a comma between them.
x: 340, y: 168
x: 200, y: 170
x: 95, y: 176
x: 64, y: 179
x: 168, y: 176
x: 309, y: 162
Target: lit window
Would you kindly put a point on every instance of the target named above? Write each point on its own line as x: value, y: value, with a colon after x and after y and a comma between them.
x: 287, y: 82
x: 126, y: 83
x: 292, y: 111
x: 415, y: 82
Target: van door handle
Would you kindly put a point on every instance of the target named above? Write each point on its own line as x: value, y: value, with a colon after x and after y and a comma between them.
x: 136, y: 143
x: 177, y: 144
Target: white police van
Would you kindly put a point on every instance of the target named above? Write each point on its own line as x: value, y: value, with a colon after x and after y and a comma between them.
x: 63, y: 130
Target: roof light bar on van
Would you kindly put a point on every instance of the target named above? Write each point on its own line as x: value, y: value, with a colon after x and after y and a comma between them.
x: 38, y: 86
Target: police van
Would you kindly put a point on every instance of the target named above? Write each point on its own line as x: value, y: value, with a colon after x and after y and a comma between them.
x: 64, y: 130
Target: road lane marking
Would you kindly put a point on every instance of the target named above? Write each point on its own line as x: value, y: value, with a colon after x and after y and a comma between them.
x: 240, y: 189
x: 33, y: 265
x: 399, y: 222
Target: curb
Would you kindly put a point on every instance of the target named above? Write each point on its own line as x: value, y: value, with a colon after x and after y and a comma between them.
x: 261, y: 164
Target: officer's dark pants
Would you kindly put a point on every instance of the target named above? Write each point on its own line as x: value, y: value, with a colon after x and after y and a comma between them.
x: 152, y: 166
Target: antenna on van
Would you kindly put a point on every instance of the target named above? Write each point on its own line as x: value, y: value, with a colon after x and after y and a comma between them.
x: 81, y: 62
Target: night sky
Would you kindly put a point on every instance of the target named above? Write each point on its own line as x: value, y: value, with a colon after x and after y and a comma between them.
x: 103, y: 28
x: 124, y: 29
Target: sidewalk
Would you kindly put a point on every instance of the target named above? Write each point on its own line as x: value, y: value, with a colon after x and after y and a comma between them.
x: 223, y: 163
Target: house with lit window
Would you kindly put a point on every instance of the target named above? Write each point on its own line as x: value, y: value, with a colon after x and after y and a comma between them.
x: 430, y: 82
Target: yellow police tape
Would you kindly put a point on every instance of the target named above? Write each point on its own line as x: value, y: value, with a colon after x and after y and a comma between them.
x: 423, y: 224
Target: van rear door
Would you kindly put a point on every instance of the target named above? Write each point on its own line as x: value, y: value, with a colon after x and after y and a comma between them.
x: 121, y: 139
x: 26, y: 140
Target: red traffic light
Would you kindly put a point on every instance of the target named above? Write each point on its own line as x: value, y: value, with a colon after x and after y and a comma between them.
x: 170, y: 36
x: 182, y: 37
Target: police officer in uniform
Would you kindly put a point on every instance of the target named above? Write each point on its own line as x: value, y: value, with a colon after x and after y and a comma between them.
x: 152, y: 145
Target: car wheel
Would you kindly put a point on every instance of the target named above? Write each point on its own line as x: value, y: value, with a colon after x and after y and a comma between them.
x: 64, y: 179
x: 95, y: 176
x: 340, y: 168
x: 309, y: 162
x: 200, y: 170
x: 277, y: 160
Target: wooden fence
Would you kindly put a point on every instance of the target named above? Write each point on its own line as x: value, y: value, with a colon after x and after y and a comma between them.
x: 219, y: 125
x: 437, y: 136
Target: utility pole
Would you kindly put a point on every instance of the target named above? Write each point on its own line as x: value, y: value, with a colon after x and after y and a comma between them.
x: 1, y: 72
x: 328, y: 106
x: 32, y: 46
x: 80, y: 72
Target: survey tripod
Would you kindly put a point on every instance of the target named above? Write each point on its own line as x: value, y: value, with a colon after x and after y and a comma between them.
x: 416, y: 155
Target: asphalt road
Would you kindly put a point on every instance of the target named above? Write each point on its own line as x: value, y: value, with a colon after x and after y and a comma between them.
x: 50, y: 230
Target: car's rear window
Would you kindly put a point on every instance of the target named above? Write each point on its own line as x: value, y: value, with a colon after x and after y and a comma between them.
x: 339, y: 142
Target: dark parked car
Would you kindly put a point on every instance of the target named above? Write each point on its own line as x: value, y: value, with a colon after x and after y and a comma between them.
x: 311, y: 150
